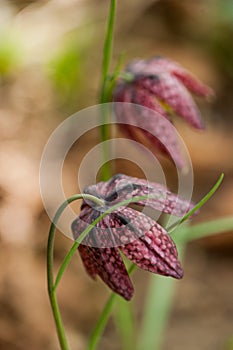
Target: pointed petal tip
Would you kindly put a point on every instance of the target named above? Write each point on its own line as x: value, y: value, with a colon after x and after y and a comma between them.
x: 179, y: 273
x: 176, y: 272
x: 128, y: 296
x: 210, y: 93
x: 200, y: 124
x: 126, y: 293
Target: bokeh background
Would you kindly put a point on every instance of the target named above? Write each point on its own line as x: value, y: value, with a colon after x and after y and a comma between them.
x: 50, y: 59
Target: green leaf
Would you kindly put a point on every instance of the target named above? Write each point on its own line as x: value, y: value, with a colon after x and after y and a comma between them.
x: 101, y: 324
x: 208, y: 228
x: 201, y: 203
x: 157, y: 309
x: 125, y: 323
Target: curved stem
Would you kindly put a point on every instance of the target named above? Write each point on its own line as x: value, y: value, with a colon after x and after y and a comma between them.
x: 50, y: 276
x: 199, y: 204
x: 205, y: 198
x: 51, y: 292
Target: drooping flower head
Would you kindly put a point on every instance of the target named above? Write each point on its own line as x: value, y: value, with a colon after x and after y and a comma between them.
x: 164, y: 87
x: 136, y: 235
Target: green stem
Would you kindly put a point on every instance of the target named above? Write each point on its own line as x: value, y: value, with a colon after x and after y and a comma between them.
x: 125, y: 324
x: 112, y: 79
x: 156, y: 312
x: 58, y: 321
x: 107, y: 52
x: 106, y: 171
x: 51, y: 292
x: 100, y: 326
x: 157, y: 309
x: 50, y: 275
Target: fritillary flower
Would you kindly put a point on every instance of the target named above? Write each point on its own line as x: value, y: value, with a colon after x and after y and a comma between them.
x: 164, y: 87
x: 140, y: 238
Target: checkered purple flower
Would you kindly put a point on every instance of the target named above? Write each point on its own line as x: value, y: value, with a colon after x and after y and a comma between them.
x: 162, y: 86
x: 136, y: 235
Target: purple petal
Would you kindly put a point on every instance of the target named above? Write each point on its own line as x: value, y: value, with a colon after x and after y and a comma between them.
x: 154, y: 251
x: 190, y: 81
x: 126, y: 187
x: 123, y: 93
x: 156, y: 127
x: 168, y: 88
x: 113, y: 230
x: 153, y: 125
x: 108, y: 264
x: 167, y: 80
x: 103, y: 234
x: 158, y: 65
x: 142, y: 97
x: 89, y: 263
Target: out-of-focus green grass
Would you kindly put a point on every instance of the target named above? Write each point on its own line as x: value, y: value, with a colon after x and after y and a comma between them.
x: 9, y: 55
x: 65, y: 71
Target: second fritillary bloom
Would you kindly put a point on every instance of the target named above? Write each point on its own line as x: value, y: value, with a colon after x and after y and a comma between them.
x: 164, y: 87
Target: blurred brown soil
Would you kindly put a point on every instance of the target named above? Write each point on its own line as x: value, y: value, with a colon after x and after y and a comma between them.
x: 202, y: 316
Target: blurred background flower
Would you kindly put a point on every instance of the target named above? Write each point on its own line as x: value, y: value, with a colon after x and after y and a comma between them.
x: 163, y: 86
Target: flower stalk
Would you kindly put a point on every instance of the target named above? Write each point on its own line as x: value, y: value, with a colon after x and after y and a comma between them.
x: 50, y: 268
x: 107, y: 52
x: 101, y: 324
